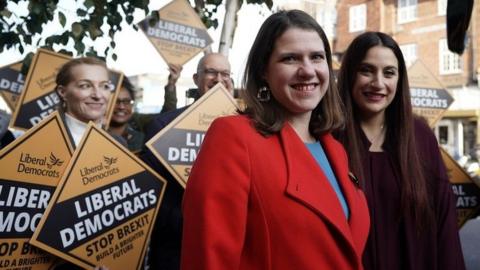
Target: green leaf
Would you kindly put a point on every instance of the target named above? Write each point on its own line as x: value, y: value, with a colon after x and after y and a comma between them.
x: 114, y: 57
x: 63, y: 51
x: 112, y: 44
x: 62, y: 18
x: 27, y: 61
x: 77, y: 29
x: 27, y: 39
x: 5, y: 13
x: 35, y: 7
x: 79, y: 46
x: 81, y: 12
x: 129, y: 19
x: 94, y: 31
x: 34, y: 26
x: 269, y: 4
x: 65, y: 37
x: 20, y: 48
x: 106, y: 50
x: 89, y: 3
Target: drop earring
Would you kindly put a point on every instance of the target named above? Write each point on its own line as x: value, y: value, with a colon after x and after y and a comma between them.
x: 263, y: 94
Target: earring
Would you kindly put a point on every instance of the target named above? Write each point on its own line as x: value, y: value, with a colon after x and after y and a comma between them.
x: 263, y: 94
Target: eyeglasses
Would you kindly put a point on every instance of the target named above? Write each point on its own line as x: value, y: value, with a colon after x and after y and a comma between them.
x: 125, y: 101
x: 89, y: 85
x: 210, y: 72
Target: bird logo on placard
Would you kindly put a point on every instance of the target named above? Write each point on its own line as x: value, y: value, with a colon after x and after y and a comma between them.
x: 109, y: 161
x: 54, y: 161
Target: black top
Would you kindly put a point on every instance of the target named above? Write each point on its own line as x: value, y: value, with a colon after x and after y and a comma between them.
x: 6, y: 139
x: 393, y: 242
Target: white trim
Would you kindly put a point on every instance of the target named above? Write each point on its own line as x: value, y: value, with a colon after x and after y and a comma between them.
x: 357, y: 18
x: 406, y: 11
x: 448, y: 63
x: 442, y: 7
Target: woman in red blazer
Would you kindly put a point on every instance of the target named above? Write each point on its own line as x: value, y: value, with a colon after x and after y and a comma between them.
x: 270, y: 188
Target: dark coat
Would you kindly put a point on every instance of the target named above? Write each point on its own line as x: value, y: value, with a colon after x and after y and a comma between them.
x: 165, y: 242
x: 393, y: 242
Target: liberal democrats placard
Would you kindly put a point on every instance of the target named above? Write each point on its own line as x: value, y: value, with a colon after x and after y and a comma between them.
x: 429, y: 97
x: 30, y: 170
x: 177, y: 145
x: 103, y: 210
x: 467, y: 193
x: 38, y: 98
x: 179, y: 34
x: 116, y: 78
x: 11, y: 83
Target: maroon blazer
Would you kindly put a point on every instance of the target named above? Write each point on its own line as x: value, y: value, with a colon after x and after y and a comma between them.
x: 255, y: 202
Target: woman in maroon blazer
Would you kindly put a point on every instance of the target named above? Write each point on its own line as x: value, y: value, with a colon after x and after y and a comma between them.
x: 270, y: 188
x: 398, y: 163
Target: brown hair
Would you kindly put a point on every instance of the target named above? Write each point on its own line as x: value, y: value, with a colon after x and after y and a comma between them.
x: 269, y: 117
x: 399, y: 124
x: 64, y: 75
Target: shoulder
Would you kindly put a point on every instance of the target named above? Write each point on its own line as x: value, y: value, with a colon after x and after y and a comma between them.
x: 232, y: 123
x: 424, y: 135
x: 421, y: 126
x: 119, y: 139
x: 236, y: 119
x: 161, y: 120
x: 167, y: 117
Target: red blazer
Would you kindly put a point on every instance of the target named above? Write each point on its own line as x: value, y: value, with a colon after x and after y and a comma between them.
x: 255, y: 202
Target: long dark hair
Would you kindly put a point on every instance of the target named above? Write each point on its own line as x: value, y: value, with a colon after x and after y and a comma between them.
x: 399, y: 124
x: 269, y: 117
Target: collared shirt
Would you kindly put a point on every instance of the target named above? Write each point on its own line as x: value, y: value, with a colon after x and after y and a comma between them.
x: 76, y: 128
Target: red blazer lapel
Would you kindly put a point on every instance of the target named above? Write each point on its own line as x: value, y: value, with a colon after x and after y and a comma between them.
x: 359, y: 220
x: 309, y: 186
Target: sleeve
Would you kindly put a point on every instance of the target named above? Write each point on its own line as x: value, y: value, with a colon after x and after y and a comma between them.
x: 170, y: 98
x: 154, y: 126
x: 215, y: 201
x: 449, y: 248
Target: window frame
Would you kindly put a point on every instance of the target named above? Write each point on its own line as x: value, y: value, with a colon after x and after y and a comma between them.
x: 357, y: 18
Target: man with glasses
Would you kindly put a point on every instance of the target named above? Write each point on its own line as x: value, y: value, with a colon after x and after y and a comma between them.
x: 211, y: 69
x: 165, y: 243
x: 122, y: 114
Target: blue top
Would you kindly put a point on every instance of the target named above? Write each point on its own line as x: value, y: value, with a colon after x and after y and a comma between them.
x: 317, y: 152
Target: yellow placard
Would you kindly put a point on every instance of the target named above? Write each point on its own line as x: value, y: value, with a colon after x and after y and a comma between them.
x: 430, y: 99
x: 104, y: 208
x: 38, y: 98
x: 11, y: 83
x: 179, y: 34
x: 30, y: 170
x: 466, y: 191
x: 116, y: 78
x: 176, y: 146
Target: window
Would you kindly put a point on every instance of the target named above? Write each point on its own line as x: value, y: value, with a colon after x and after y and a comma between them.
x: 327, y: 18
x: 357, y: 18
x: 407, y: 10
x: 409, y: 52
x: 442, y: 7
x: 443, y: 134
x: 450, y: 63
